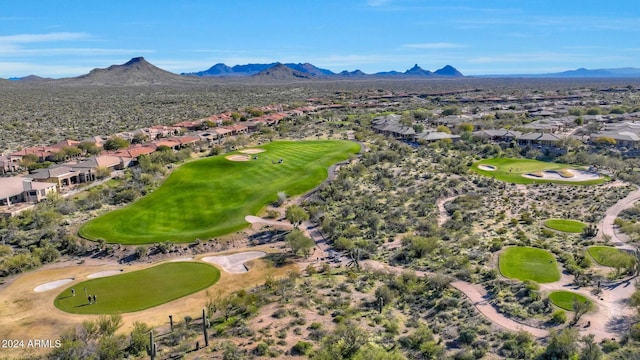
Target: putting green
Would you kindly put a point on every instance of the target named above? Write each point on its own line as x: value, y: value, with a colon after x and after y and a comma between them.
x: 610, y: 256
x: 527, y: 263
x: 138, y: 290
x: 564, y: 299
x: 565, y: 225
x: 511, y: 170
x: 210, y: 197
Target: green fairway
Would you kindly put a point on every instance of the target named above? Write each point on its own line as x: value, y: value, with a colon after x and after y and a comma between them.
x: 564, y: 299
x: 610, y: 256
x: 210, y: 197
x: 138, y: 290
x: 511, y: 170
x: 565, y: 225
x: 526, y: 263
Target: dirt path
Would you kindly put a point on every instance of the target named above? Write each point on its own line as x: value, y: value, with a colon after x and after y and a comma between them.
x: 607, y: 226
x: 480, y: 299
x: 443, y: 214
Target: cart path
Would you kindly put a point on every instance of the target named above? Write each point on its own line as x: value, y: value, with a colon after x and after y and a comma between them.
x: 607, y: 226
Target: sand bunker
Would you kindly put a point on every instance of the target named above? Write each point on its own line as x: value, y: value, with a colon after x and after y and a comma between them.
x: 234, y: 263
x: 104, y: 273
x: 182, y: 259
x: 52, y: 285
x: 578, y: 175
x: 487, y: 167
x: 252, y: 151
x: 258, y: 220
x: 238, y: 157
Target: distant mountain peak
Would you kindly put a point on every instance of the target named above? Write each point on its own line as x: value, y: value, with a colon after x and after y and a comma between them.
x: 282, y: 72
x: 418, y: 71
x: 136, y: 71
x: 136, y: 60
x: 448, y: 70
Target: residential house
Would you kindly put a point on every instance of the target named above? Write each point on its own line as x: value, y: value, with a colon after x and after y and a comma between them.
x: 7, y: 166
x: 134, y: 151
x: 499, y: 135
x: 390, y: 125
x: 432, y: 136
x: 623, y: 139
x: 61, y: 175
x: 178, y: 142
x: 539, y: 139
x: 18, y: 189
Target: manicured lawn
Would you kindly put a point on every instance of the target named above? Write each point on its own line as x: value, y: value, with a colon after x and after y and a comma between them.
x: 565, y: 225
x: 564, y: 299
x: 210, y: 197
x: 526, y: 263
x: 511, y: 170
x: 610, y: 256
x: 138, y: 290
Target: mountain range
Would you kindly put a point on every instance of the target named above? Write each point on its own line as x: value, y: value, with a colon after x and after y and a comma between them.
x: 308, y: 71
x: 139, y: 71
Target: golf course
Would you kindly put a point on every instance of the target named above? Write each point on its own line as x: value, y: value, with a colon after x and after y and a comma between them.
x: 565, y: 225
x: 528, y: 171
x: 210, y: 197
x: 137, y: 290
x: 564, y: 299
x: 527, y: 263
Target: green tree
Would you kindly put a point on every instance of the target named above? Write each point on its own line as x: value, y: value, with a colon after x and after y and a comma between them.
x: 115, y: 143
x: 443, y: 129
x: 465, y: 127
x: 563, y: 344
x: 343, y: 343
x: 296, y: 215
x: 89, y: 148
x: 139, y: 338
x: 590, y: 349
x: 111, y: 347
x: 297, y: 241
x: 451, y: 110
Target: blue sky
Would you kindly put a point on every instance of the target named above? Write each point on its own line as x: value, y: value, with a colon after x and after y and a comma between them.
x: 70, y: 37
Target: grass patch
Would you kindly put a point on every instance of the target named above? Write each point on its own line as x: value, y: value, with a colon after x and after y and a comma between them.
x: 511, y: 170
x: 564, y: 299
x: 610, y: 256
x: 565, y: 225
x: 527, y: 263
x: 210, y: 197
x: 138, y: 290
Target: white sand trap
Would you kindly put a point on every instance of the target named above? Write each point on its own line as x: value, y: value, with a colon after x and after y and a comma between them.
x: 234, y: 263
x: 258, y: 220
x: 252, y: 151
x: 104, y: 274
x: 578, y: 175
x: 238, y: 157
x: 52, y: 285
x: 182, y: 259
x: 487, y: 167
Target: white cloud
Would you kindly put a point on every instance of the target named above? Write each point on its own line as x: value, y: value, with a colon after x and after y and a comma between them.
x: 11, y: 69
x: 435, y: 45
x: 39, y: 38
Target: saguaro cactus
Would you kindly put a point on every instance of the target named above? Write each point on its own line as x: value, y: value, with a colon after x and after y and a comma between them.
x: 152, y: 348
x: 204, y: 328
